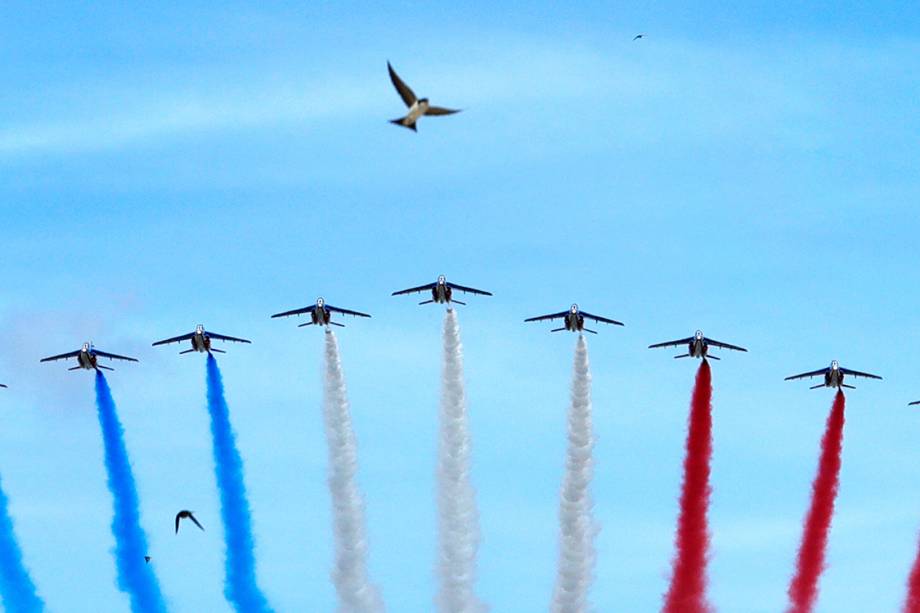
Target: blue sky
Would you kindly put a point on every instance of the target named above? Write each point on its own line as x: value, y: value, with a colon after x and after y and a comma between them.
x: 750, y: 170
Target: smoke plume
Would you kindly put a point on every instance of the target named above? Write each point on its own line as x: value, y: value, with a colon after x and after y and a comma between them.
x: 16, y: 585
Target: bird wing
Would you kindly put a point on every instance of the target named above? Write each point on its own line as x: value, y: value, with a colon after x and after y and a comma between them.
x: 440, y: 110
x: 405, y: 92
x: 178, y: 516
x: 192, y: 517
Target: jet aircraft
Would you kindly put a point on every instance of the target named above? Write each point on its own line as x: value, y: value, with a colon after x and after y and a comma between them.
x: 87, y: 358
x: 201, y: 340
x: 833, y: 376
x: 320, y: 314
x: 442, y: 291
x: 574, y: 320
x: 417, y: 106
x: 697, y: 346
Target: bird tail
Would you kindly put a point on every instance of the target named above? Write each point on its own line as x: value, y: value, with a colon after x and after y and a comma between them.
x: 402, y: 122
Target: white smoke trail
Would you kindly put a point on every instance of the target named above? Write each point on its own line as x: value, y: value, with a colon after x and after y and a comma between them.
x: 458, y: 520
x: 355, y: 591
x: 576, y: 523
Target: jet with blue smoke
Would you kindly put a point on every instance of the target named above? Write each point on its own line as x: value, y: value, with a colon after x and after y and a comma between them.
x: 240, y: 586
x: 16, y: 586
x: 135, y: 575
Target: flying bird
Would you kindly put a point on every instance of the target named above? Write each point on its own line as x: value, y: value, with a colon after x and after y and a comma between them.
x: 913, y: 404
x: 417, y: 106
x: 147, y: 559
x: 638, y: 36
x: 1, y: 385
x: 183, y: 514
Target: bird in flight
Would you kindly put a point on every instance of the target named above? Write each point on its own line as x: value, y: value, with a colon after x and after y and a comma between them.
x: 417, y: 106
x: 147, y: 559
x: 638, y: 36
x: 183, y: 514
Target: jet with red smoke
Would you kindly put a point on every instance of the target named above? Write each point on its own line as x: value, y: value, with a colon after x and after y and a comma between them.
x: 833, y: 376
x: 698, y: 346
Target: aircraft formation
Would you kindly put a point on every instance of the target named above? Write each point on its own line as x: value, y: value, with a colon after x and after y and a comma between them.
x: 442, y: 292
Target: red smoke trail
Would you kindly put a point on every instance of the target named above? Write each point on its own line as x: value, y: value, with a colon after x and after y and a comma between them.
x: 803, y: 591
x: 687, y: 593
x: 913, y: 589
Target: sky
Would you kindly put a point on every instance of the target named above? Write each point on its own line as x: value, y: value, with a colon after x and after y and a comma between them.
x: 748, y: 169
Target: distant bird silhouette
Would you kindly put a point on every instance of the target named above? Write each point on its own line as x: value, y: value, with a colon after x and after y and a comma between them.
x: 417, y: 106
x: 1, y: 385
x: 183, y: 514
x: 147, y: 559
x: 638, y: 36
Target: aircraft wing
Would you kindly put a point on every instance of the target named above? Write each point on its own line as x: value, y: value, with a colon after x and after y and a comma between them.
x: 468, y: 290
x: 346, y: 311
x: 113, y: 356
x: 722, y: 345
x: 548, y: 317
x: 405, y: 92
x: 856, y: 373
x: 682, y: 341
x: 413, y: 290
x: 440, y: 110
x: 805, y: 375
x: 308, y: 309
x: 601, y: 319
x: 231, y: 339
x: 175, y: 339
x: 63, y: 356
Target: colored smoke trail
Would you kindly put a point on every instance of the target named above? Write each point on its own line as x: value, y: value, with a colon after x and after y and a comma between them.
x: 16, y: 586
x: 576, y: 523
x: 913, y: 588
x: 240, y: 586
x: 687, y: 592
x: 458, y: 519
x: 135, y: 576
x: 356, y: 593
x: 803, y: 590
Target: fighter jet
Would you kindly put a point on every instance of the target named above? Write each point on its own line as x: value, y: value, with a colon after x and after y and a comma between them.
x: 442, y: 291
x: 697, y: 346
x: 201, y: 340
x: 87, y: 358
x: 183, y: 514
x: 574, y: 320
x: 320, y: 314
x: 833, y: 376
x: 417, y: 106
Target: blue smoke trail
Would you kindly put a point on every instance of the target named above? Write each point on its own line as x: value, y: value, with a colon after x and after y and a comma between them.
x: 16, y: 586
x: 240, y: 585
x: 135, y: 576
